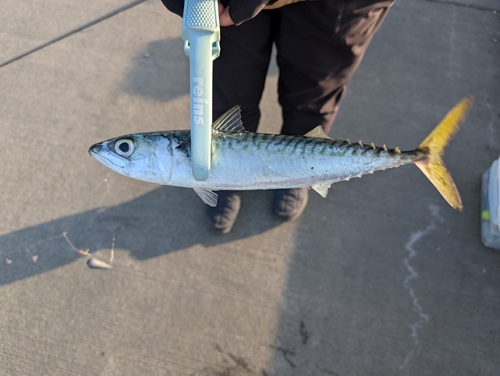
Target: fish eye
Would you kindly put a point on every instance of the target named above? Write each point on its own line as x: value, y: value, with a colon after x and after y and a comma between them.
x: 124, y: 147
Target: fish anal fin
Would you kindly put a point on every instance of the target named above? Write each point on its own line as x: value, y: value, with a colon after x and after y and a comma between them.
x: 317, y: 132
x: 208, y: 196
x: 230, y: 121
x: 322, y: 189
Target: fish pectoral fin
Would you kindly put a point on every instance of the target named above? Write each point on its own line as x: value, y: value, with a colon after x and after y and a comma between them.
x: 322, y: 189
x: 318, y: 132
x: 230, y: 121
x: 208, y: 196
x: 185, y: 147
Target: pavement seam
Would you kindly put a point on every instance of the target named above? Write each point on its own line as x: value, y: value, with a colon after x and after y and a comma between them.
x: 463, y: 5
x: 74, y: 31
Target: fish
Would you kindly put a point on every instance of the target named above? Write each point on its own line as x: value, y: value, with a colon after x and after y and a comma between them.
x: 242, y: 160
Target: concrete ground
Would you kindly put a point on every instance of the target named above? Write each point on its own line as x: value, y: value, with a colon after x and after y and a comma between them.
x: 380, y: 278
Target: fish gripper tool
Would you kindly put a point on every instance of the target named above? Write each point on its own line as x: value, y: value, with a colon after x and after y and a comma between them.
x: 201, y: 35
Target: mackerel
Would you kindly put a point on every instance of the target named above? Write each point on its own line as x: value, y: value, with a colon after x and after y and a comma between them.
x: 244, y: 160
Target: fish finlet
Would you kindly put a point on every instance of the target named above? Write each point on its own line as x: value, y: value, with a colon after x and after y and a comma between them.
x: 360, y: 143
x: 384, y: 147
x: 372, y: 145
x: 397, y: 150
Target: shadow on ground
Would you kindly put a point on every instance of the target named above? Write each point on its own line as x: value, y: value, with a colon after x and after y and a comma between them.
x: 149, y: 226
x: 161, y: 71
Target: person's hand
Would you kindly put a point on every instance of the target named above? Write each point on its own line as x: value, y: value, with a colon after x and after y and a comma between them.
x: 237, y: 11
x: 224, y: 17
x: 175, y: 6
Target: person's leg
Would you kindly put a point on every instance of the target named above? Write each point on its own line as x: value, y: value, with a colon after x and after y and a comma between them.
x: 239, y: 78
x: 320, y: 46
x: 240, y: 70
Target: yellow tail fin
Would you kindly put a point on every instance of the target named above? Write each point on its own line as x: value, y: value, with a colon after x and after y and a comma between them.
x: 433, y: 166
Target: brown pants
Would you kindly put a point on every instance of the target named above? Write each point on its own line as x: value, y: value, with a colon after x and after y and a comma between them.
x: 320, y: 45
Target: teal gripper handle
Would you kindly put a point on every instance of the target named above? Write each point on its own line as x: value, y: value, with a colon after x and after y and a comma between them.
x: 201, y: 35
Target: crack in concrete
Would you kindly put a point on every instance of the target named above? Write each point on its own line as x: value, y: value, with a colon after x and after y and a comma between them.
x: 304, y: 334
x: 73, y: 32
x: 423, y: 317
x: 285, y: 353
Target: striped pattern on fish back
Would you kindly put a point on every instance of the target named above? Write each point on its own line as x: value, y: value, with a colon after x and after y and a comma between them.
x: 300, y: 145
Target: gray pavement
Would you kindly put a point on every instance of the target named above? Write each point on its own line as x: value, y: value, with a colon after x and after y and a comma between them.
x: 380, y: 278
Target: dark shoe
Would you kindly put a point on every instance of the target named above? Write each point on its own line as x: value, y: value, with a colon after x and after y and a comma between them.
x: 290, y: 203
x: 224, y: 214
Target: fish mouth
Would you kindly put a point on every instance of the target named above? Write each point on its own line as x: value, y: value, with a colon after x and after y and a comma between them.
x: 95, y: 149
x: 107, y: 157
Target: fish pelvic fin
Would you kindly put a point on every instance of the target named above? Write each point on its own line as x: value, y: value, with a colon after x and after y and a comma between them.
x: 433, y: 147
x: 208, y: 196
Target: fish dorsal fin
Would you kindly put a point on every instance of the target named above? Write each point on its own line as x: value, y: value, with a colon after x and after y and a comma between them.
x: 208, y: 196
x: 230, y: 121
x: 322, y: 189
x: 317, y: 132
